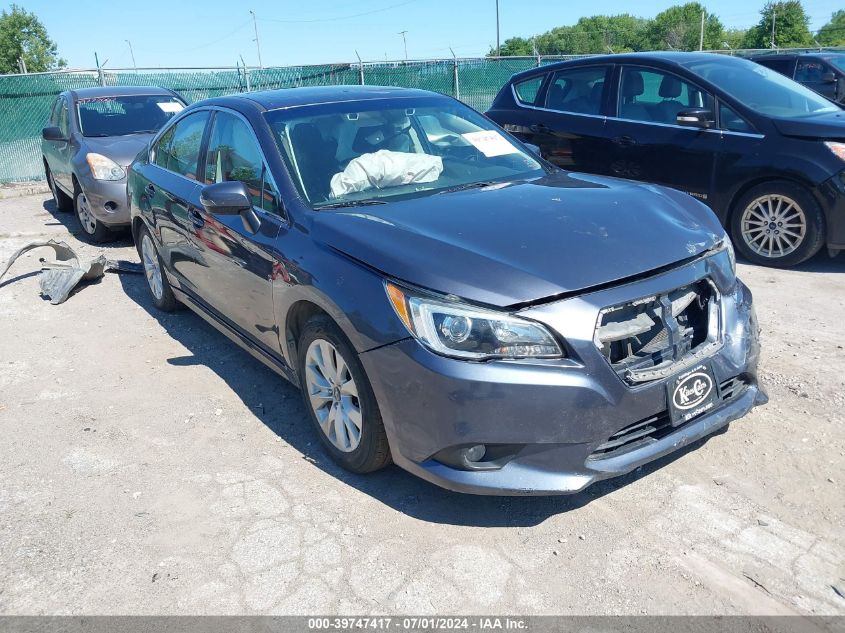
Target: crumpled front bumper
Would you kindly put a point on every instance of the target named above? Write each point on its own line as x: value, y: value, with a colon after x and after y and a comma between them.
x: 107, y: 200
x: 554, y: 413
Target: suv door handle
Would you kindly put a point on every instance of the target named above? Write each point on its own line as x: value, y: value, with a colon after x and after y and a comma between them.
x: 625, y: 141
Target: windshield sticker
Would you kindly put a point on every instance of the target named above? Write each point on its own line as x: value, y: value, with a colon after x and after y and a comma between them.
x: 490, y: 143
x: 171, y: 107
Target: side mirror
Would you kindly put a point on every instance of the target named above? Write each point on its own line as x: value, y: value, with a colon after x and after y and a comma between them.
x: 52, y: 134
x: 230, y: 198
x: 829, y: 77
x: 535, y: 149
x: 696, y: 117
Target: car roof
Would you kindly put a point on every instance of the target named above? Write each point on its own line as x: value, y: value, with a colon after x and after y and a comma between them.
x: 294, y: 97
x: 118, y: 91
x: 667, y: 58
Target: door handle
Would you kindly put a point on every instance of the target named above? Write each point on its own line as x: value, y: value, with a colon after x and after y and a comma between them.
x: 196, y: 218
x: 539, y: 128
x: 150, y: 190
x: 625, y: 141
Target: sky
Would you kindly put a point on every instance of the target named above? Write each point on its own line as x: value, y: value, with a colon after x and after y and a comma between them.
x: 189, y: 33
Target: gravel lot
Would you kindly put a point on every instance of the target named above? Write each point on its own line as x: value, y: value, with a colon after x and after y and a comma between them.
x: 148, y: 466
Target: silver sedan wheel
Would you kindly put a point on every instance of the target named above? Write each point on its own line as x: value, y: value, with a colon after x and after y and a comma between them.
x: 333, y: 395
x: 151, y: 268
x: 86, y: 218
x: 773, y: 225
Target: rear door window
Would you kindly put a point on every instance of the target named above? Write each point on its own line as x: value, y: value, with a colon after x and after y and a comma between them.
x: 577, y: 90
x: 527, y: 90
x: 182, y: 153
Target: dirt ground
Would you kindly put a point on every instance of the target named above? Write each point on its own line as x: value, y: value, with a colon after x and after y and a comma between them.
x: 149, y: 466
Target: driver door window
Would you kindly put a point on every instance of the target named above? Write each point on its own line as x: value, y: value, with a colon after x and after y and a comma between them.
x: 233, y: 154
x: 654, y: 96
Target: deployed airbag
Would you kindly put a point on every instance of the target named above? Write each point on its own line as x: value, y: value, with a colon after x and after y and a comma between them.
x: 383, y: 169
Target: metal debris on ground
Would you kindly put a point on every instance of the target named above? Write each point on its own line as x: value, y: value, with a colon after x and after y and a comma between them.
x: 58, y: 279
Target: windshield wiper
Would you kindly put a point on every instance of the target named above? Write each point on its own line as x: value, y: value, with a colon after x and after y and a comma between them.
x: 350, y: 203
x: 469, y: 185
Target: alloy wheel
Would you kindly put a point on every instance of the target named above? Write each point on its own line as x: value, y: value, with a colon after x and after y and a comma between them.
x: 333, y: 395
x: 152, y: 270
x: 773, y: 225
x: 86, y: 218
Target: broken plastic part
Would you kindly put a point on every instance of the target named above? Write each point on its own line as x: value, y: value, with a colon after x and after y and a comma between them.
x: 58, y: 279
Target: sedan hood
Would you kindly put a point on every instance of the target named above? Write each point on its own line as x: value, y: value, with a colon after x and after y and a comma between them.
x: 121, y: 149
x: 825, y: 127
x: 526, y: 241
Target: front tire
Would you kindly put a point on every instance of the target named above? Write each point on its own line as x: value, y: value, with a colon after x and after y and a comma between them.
x: 777, y: 224
x: 93, y: 230
x: 340, y: 399
x: 157, y: 283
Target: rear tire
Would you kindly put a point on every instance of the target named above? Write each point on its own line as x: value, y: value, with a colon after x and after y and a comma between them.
x: 157, y: 283
x: 339, y: 398
x: 92, y: 229
x: 64, y: 202
x: 777, y: 224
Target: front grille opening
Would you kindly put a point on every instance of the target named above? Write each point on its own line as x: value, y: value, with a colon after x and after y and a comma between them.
x: 657, y: 330
x: 657, y: 427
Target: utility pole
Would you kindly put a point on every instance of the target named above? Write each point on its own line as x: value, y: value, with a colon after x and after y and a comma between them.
x: 132, y: 53
x: 405, y: 43
x: 257, y: 43
x: 773, y: 25
x: 701, y: 36
x: 498, y: 47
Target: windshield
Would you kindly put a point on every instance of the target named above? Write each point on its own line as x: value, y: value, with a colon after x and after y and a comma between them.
x: 761, y: 89
x: 117, y: 116
x: 373, y: 151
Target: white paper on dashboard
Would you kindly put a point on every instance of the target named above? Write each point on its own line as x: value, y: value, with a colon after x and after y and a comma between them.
x: 490, y: 143
x: 170, y: 106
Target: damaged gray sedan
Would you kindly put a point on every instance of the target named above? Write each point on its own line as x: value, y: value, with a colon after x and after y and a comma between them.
x: 445, y: 299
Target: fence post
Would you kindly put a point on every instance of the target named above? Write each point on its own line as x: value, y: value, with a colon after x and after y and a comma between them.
x: 100, y: 77
x: 456, y: 86
x: 360, y: 69
x: 539, y: 62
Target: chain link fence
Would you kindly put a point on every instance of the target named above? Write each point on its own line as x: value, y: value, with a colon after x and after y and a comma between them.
x: 25, y: 100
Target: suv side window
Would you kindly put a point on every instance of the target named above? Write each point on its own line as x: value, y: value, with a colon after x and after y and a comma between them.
x: 656, y: 97
x: 526, y: 90
x: 62, y: 122
x: 54, y: 111
x: 234, y: 154
x: 782, y: 66
x: 577, y: 90
x: 182, y: 151
x: 731, y: 121
x: 160, y: 150
x: 810, y: 71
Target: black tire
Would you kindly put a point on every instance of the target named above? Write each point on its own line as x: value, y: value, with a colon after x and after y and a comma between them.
x: 372, y: 452
x: 93, y: 230
x: 64, y: 202
x: 167, y: 301
x: 813, y: 220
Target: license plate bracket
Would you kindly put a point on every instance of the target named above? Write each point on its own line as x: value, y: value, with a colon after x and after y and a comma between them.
x: 691, y: 394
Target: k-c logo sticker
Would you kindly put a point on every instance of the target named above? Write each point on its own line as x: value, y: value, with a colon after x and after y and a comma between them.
x: 692, y: 390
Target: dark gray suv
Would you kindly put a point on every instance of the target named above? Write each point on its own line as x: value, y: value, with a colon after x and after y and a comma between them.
x: 444, y: 298
x: 92, y: 136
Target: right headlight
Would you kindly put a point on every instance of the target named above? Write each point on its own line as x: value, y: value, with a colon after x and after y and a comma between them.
x: 464, y: 331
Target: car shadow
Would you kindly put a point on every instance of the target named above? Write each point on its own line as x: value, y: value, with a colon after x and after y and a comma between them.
x: 821, y: 262
x: 278, y: 405
x: 70, y: 221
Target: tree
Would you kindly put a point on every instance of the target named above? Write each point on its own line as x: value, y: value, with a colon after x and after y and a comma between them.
x: 733, y: 38
x: 833, y: 33
x: 679, y: 28
x: 22, y: 36
x: 515, y: 47
x: 791, y: 26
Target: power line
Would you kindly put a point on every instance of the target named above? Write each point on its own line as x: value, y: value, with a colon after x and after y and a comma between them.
x: 340, y: 17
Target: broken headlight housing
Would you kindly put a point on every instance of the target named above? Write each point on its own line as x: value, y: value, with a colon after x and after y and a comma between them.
x: 727, y: 246
x: 467, y: 332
